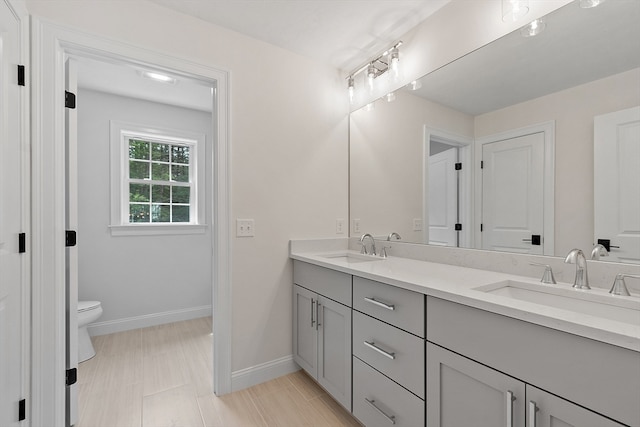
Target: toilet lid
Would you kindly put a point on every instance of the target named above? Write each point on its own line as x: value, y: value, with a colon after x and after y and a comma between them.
x: 87, y: 305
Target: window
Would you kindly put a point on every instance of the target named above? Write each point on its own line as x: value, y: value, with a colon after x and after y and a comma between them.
x: 157, y: 188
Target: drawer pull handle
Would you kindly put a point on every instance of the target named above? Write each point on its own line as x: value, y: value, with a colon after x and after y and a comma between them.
x: 391, y: 418
x: 510, y: 399
x: 313, y: 308
x: 533, y: 408
x: 373, y: 346
x: 380, y: 303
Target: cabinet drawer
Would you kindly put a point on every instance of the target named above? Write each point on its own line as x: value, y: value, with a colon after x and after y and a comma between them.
x: 329, y: 283
x: 396, y: 353
x: 400, y: 307
x: 378, y: 401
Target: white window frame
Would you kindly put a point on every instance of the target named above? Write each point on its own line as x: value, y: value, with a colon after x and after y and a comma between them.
x: 120, y: 134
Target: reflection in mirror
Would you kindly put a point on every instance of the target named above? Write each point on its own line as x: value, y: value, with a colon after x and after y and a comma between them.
x: 586, y: 63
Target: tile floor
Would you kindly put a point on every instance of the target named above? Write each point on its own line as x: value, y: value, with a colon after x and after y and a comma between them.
x: 161, y: 376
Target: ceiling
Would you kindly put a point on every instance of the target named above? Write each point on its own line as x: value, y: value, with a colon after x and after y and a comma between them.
x: 342, y: 33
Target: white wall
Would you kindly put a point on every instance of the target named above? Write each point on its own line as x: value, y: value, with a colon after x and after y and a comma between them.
x: 135, y: 276
x: 288, y: 143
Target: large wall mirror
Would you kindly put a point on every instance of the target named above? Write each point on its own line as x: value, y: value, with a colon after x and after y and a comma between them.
x: 496, y: 149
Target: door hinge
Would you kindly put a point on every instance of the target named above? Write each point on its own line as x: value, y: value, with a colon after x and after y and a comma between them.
x: 458, y: 227
x: 22, y: 243
x: 21, y: 80
x: 458, y: 166
x: 70, y: 238
x: 22, y: 410
x: 481, y: 227
x: 69, y: 99
x: 481, y: 164
x: 72, y: 376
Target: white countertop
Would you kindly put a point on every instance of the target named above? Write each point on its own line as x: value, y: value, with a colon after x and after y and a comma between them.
x: 457, y: 284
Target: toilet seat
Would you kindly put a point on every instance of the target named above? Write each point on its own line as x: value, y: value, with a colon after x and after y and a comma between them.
x: 87, y: 305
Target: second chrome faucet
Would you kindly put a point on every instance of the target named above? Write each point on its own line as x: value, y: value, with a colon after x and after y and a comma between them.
x: 576, y: 256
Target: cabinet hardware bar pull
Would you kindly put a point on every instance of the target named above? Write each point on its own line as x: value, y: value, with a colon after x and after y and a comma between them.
x: 510, y: 399
x: 313, y: 303
x: 380, y: 303
x: 533, y: 408
x: 318, y: 311
x: 373, y: 346
x: 391, y: 418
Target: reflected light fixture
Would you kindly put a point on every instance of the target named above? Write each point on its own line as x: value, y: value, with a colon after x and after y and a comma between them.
x: 374, y: 68
x: 512, y: 10
x: 390, y: 97
x: 533, y: 28
x: 587, y: 4
x: 370, y: 106
x: 415, y: 85
x: 158, y: 77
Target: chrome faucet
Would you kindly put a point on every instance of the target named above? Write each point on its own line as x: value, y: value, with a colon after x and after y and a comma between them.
x: 619, y: 286
x: 364, y: 245
x: 598, y: 251
x: 547, y: 276
x: 394, y: 234
x: 576, y: 256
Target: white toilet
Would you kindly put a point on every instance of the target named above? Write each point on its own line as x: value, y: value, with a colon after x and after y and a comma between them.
x: 88, y: 312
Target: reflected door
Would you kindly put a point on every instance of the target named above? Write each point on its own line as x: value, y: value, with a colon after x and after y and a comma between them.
x: 443, y: 198
x: 512, y: 194
x: 617, y: 183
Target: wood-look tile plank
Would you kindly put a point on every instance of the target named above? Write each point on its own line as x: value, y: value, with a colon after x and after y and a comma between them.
x: 231, y: 410
x: 306, y: 386
x: 118, y: 343
x: 117, y: 370
x: 334, y: 412
x: 288, y: 408
x: 173, y: 407
x: 110, y: 408
x: 164, y: 370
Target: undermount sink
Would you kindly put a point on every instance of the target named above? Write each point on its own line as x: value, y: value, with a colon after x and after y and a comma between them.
x: 620, y: 309
x: 352, y: 257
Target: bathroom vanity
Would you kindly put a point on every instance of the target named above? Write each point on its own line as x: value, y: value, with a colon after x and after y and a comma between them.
x: 412, y: 343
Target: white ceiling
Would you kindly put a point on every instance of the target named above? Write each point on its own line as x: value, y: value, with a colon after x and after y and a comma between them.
x: 341, y: 33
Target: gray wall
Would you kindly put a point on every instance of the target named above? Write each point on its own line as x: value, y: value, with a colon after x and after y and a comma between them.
x: 135, y: 276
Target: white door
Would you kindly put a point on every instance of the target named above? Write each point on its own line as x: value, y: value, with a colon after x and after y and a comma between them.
x: 512, y: 194
x: 71, y: 224
x: 617, y: 183
x: 12, y: 264
x: 443, y: 198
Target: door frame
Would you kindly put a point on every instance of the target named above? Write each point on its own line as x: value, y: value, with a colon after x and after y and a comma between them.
x: 465, y: 194
x: 548, y: 220
x: 50, y: 44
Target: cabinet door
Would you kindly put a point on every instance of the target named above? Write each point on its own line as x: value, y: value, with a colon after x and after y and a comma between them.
x: 305, y: 341
x: 334, y: 350
x: 461, y: 392
x: 547, y: 410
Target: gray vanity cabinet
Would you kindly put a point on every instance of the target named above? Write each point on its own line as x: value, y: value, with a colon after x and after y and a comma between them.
x: 322, y: 328
x: 461, y: 392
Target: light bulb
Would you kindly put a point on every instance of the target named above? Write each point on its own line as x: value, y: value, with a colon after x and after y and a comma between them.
x: 586, y: 4
x: 394, y: 60
x: 512, y: 10
x: 370, y: 107
x: 415, y: 85
x: 371, y: 74
x: 390, y: 97
x: 352, y: 89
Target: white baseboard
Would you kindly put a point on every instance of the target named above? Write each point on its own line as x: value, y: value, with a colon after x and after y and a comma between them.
x: 146, y: 320
x: 245, y: 378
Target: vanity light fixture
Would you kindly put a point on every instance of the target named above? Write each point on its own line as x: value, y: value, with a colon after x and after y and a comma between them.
x: 533, y: 28
x: 587, y: 4
x: 158, y: 77
x: 512, y: 10
x: 370, y: 106
x: 390, y: 97
x: 374, y: 68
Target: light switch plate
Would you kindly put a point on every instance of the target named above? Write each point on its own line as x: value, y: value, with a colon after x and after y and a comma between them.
x: 245, y: 227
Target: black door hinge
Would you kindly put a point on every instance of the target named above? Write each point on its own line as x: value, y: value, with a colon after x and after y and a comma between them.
x: 481, y: 164
x: 22, y: 243
x: 481, y: 227
x: 458, y: 166
x: 72, y: 376
x: 69, y: 99
x: 21, y: 81
x: 458, y: 227
x: 70, y: 238
x: 22, y: 410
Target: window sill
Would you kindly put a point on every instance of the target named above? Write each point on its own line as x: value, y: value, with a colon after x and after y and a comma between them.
x: 157, y: 229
